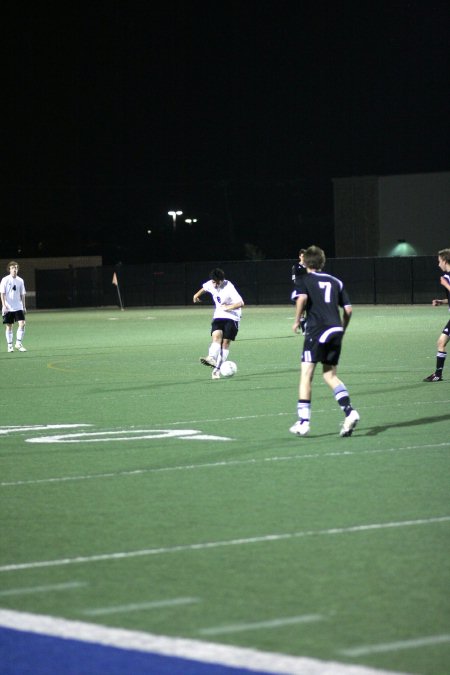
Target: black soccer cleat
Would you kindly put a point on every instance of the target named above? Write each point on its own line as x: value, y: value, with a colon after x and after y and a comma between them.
x: 433, y: 378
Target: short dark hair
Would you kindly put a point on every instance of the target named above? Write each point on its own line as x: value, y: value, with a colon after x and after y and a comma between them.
x: 314, y: 258
x: 217, y: 274
x: 11, y: 264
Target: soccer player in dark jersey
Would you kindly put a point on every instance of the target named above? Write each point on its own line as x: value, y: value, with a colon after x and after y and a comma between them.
x: 322, y: 295
x: 297, y: 270
x: 444, y: 337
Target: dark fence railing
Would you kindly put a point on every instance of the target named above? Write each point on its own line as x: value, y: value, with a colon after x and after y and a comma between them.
x: 412, y: 280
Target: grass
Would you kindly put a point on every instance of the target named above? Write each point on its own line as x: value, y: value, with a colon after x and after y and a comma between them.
x: 287, y: 520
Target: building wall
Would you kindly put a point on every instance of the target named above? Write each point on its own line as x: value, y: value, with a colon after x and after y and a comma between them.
x: 392, y: 215
x: 416, y: 209
x: 356, y: 231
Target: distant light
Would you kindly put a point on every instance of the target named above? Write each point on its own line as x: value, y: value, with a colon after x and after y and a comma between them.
x: 149, y: 231
x: 190, y: 220
x: 402, y: 249
x: 174, y: 215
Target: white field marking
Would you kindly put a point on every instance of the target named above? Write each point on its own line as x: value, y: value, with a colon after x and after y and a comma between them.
x: 181, y: 548
x: 43, y: 589
x: 194, y: 650
x: 126, y: 435
x: 396, y: 646
x: 222, y: 464
x: 274, y: 623
x: 39, y: 427
x: 140, y: 606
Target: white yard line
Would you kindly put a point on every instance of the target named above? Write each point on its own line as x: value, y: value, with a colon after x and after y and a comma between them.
x: 29, y: 590
x: 222, y: 464
x: 274, y: 623
x: 140, y: 606
x: 121, y: 555
x: 204, y: 652
x: 430, y: 640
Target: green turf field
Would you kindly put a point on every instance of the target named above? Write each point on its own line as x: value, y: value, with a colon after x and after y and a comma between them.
x: 182, y: 506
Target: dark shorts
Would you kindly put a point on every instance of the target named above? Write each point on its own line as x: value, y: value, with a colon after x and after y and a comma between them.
x: 446, y: 330
x: 228, y: 327
x: 10, y: 317
x: 323, y: 346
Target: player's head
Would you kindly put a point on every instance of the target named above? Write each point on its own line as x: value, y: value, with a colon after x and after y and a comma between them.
x: 314, y: 258
x: 12, y: 266
x: 217, y: 276
x: 444, y: 257
x: 301, y: 255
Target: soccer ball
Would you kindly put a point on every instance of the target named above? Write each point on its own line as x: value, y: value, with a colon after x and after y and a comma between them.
x: 228, y: 369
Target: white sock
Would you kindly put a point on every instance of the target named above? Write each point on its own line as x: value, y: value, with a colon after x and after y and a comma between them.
x: 20, y: 333
x: 9, y: 336
x: 214, y: 350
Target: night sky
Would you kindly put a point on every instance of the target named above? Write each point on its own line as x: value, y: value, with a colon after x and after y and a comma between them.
x: 237, y: 113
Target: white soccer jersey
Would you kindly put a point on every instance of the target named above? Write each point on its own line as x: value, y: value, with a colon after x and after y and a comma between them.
x: 14, y: 289
x: 225, y: 295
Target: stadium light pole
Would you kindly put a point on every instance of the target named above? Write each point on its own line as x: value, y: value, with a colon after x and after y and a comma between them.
x: 174, y: 215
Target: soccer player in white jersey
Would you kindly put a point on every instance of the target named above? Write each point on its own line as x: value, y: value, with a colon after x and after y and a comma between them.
x: 12, y: 291
x: 323, y: 296
x: 227, y: 315
x: 444, y: 337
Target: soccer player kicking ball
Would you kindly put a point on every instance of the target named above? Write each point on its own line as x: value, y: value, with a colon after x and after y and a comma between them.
x: 321, y: 295
x: 226, y: 318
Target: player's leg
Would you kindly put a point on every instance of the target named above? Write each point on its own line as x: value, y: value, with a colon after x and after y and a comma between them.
x: 301, y: 427
x: 19, y: 335
x: 214, y: 348
x: 440, y: 356
x: 221, y: 357
x: 9, y: 336
x: 229, y: 333
x: 342, y: 398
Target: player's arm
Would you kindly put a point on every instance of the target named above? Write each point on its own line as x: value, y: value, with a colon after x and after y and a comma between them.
x: 197, y: 295
x: 346, y: 316
x: 237, y: 304
x: 233, y: 301
x: 300, y: 305
x: 437, y: 302
x: 445, y: 283
x: 5, y: 307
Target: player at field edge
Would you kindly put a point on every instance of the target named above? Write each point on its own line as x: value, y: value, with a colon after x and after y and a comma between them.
x: 444, y: 337
x: 227, y: 315
x: 12, y: 291
x: 322, y: 295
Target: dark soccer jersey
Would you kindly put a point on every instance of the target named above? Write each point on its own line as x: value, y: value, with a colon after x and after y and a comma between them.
x: 325, y: 295
x: 297, y: 270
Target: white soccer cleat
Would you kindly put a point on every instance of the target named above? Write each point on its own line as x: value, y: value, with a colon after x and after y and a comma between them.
x: 19, y: 347
x: 215, y: 375
x: 300, y: 428
x: 349, y: 423
x: 208, y: 361
x: 10, y: 348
